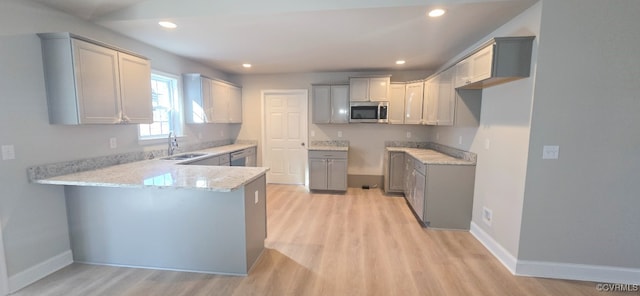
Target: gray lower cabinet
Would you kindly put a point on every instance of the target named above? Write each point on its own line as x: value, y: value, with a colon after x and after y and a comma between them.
x: 440, y: 195
x: 328, y: 170
x: 394, y: 179
x: 220, y: 160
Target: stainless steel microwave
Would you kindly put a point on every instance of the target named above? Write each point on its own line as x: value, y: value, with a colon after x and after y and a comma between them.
x: 371, y: 112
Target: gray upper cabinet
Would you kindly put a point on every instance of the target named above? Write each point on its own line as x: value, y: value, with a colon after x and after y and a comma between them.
x: 330, y: 103
x: 502, y: 60
x: 414, y: 96
x: 211, y: 101
x: 365, y: 89
x: 396, y: 103
x: 89, y: 82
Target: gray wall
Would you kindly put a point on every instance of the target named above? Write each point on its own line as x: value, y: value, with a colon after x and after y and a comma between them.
x: 366, y: 140
x: 583, y: 207
x: 583, y: 96
x: 505, y: 122
x: 33, y: 217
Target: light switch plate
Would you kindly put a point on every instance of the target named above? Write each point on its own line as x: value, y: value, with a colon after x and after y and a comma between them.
x: 313, y: 133
x: 550, y: 152
x: 339, y: 134
x: 256, y: 199
x: 113, y: 143
x: 8, y: 152
x: 408, y: 135
x: 487, y: 144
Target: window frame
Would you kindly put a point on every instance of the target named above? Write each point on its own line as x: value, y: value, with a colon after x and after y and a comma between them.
x: 176, y: 118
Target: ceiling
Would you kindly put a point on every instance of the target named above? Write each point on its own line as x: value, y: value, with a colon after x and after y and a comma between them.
x: 286, y: 36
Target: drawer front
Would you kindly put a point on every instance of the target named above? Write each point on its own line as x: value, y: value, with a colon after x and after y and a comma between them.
x: 327, y: 154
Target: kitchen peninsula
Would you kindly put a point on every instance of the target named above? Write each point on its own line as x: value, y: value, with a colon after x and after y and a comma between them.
x: 167, y: 214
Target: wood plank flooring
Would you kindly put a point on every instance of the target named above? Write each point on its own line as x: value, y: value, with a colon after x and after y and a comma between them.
x: 361, y: 243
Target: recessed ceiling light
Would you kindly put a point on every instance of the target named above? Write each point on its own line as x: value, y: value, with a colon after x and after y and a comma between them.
x: 168, y: 25
x: 436, y: 12
x: 246, y: 65
x: 400, y: 62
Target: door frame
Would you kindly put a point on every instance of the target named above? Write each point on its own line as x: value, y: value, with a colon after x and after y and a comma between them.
x: 263, y: 106
x: 4, y: 277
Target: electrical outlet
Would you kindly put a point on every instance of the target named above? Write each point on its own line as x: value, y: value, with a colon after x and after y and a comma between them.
x: 8, y: 152
x: 487, y: 216
x: 487, y: 144
x: 437, y: 136
x: 199, y: 135
x: 113, y: 143
x: 313, y: 133
x: 408, y: 135
x: 339, y: 134
x: 255, y: 195
x: 460, y: 140
x: 550, y: 152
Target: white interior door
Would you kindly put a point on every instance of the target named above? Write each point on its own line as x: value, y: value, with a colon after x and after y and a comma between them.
x: 4, y: 279
x: 285, y: 135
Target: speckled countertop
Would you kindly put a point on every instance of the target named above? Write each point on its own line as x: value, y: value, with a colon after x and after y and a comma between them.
x: 329, y: 146
x: 428, y: 156
x: 171, y: 174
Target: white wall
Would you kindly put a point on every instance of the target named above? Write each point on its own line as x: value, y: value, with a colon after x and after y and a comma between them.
x: 504, y: 121
x: 583, y: 207
x: 366, y: 140
x: 33, y: 217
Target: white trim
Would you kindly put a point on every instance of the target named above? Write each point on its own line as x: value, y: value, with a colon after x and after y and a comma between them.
x: 580, y: 272
x: 263, y: 132
x: 37, y: 272
x: 555, y: 270
x: 508, y: 260
x: 4, y: 279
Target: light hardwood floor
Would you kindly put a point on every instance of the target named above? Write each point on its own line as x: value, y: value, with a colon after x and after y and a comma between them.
x: 361, y: 243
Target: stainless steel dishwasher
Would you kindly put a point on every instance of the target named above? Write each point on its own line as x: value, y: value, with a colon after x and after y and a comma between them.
x: 244, y: 157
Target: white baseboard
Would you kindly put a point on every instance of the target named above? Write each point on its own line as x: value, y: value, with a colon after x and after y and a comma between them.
x: 494, y: 247
x: 580, y: 272
x: 555, y: 270
x: 35, y: 273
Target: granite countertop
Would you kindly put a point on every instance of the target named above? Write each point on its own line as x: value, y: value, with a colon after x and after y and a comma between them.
x: 328, y: 148
x: 329, y: 145
x: 162, y: 173
x: 429, y: 156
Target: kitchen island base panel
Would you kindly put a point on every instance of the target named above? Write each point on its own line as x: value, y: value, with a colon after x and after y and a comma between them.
x: 178, y: 229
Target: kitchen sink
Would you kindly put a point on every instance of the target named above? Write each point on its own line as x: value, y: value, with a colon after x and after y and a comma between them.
x: 184, y: 156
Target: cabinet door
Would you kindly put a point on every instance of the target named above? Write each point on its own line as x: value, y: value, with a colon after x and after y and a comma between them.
x: 219, y: 102
x: 339, y: 104
x: 379, y: 88
x: 413, y: 103
x: 235, y: 104
x: 396, y: 103
x: 481, y: 64
x: 135, y: 85
x: 430, y: 104
x: 317, y: 173
x: 419, y: 187
x: 358, y: 89
x: 321, y: 103
x: 337, y: 174
x: 97, y: 83
x: 462, y: 73
x: 408, y: 180
x: 396, y: 171
x: 446, y: 98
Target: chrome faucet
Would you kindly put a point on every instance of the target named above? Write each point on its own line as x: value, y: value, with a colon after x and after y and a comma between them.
x: 173, y: 143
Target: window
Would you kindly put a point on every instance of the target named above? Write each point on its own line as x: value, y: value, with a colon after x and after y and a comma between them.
x: 166, y: 108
